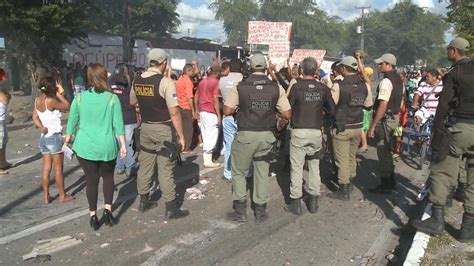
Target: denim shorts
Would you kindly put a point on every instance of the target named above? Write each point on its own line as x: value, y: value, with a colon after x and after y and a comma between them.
x: 52, y: 144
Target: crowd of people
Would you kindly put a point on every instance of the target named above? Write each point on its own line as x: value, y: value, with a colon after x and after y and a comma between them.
x: 133, y: 123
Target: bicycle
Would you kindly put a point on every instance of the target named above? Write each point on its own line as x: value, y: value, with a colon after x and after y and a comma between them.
x: 421, y: 137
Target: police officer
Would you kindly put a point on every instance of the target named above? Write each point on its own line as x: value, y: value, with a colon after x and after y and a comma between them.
x: 456, y: 98
x: 351, y: 95
x: 308, y: 97
x: 259, y: 100
x: 387, y: 106
x: 161, y: 121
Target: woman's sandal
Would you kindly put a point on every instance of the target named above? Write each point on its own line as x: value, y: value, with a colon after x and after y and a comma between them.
x: 67, y: 198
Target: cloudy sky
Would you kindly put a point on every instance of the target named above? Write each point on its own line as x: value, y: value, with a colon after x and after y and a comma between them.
x: 197, y: 20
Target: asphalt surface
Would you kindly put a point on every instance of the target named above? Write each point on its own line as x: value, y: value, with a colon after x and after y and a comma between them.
x: 363, y: 230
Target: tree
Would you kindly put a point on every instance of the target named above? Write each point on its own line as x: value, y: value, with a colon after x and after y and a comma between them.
x: 135, y: 19
x: 461, y: 14
x: 36, y: 30
x: 235, y: 15
x: 406, y: 30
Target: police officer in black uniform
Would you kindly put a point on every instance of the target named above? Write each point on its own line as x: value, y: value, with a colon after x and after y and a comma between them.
x: 351, y: 95
x: 160, y: 131
x: 456, y: 107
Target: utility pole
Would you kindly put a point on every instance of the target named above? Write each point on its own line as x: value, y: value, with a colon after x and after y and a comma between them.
x: 362, y: 30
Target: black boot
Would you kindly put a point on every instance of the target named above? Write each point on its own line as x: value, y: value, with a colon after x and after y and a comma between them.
x: 4, y: 165
x: 294, y: 207
x: 146, y: 203
x: 94, y: 222
x: 343, y: 193
x: 435, y: 224
x: 261, y: 213
x: 460, y: 194
x: 173, y: 212
x: 240, y: 211
x: 386, y: 186
x: 108, y: 218
x: 467, y: 228
x: 449, y: 198
x: 313, y: 205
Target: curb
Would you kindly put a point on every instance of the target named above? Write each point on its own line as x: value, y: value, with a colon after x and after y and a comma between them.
x: 419, y: 244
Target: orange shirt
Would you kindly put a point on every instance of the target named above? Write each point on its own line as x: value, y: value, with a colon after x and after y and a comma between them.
x: 184, y: 91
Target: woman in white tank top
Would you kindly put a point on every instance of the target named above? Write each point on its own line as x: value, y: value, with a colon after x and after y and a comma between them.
x: 47, y: 117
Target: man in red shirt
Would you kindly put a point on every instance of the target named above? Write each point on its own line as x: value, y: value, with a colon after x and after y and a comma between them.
x: 207, y: 104
x: 184, y: 92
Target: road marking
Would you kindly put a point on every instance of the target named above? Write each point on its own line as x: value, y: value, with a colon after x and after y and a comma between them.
x: 40, y: 227
x: 188, y: 241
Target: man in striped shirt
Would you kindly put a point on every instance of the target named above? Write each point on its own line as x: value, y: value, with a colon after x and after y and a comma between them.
x: 425, y: 100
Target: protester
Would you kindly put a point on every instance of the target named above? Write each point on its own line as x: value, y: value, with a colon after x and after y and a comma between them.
x: 94, y: 122
x: 47, y: 117
x: 120, y: 84
x: 5, y: 98
x: 425, y: 101
x: 78, y: 79
x: 184, y: 92
x: 228, y: 122
x: 207, y: 105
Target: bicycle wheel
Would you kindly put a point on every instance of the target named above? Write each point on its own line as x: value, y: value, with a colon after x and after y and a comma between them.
x: 423, y: 154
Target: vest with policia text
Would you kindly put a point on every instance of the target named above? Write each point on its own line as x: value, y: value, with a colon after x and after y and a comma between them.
x: 153, y: 107
x: 258, y: 97
x: 396, y: 95
x: 308, y: 105
x: 464, y: 87
x: 352, y: 95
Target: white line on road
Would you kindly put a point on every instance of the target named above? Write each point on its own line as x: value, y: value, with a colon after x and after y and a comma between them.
x: 37, y: 228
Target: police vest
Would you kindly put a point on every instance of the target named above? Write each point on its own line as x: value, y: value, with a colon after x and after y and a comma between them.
x: 396, y: 95
x: 258, y: 97
x: 352, y: 95
x: 153, y: 107
x: 464, y: 85
x: 308, y: 104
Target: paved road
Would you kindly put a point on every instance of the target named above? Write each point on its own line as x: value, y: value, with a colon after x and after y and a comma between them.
x: 363, y: 230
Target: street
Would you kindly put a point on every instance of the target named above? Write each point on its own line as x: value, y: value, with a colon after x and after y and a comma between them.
x: 363, y: 230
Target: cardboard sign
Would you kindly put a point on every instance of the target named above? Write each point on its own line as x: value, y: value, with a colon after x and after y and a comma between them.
x: 264, y: 32
x: 300, y: 54
x: 278, y: 53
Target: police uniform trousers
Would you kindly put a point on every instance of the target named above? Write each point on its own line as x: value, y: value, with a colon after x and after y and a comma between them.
x: 463, y: 171
x: 384, y: 153
x: 248, y: 147
x: 153, y: 137
x: 444, y: 174
x: 305, y: 145
x: 345, y: 146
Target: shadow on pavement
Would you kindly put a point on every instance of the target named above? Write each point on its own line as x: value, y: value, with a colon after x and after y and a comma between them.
x: 30, y: 159
x: 17, y: 202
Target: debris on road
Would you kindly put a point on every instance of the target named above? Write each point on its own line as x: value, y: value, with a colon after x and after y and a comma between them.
x: 195, y: 193
x: 48, y: 246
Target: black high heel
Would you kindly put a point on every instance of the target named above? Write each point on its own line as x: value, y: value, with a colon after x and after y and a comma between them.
x: 108, y: 218
x: 94, y: 222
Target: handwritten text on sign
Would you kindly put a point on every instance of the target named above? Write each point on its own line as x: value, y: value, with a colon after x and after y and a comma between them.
x: 263, y: 32
x: 300, y: 54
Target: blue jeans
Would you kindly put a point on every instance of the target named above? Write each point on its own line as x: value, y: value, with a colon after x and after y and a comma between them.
x: 230, y: 128
x: 129, y: 164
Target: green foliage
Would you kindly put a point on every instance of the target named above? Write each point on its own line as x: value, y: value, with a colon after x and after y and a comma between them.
x: 148, y: 18
x: 461, y: 14
x: 406, y: 30
x: 235, y: 15
x: 37, y: 30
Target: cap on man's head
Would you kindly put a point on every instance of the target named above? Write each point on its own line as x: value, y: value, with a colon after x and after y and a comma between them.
x: 158, y: 55
x: 387, y: 58
x: 258, y: 61
x: 349, y: 61
x: 460, y: 44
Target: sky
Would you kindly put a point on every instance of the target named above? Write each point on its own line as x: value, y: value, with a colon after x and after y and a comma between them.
x: 197, y: 20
